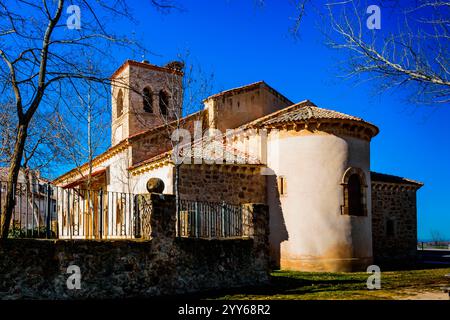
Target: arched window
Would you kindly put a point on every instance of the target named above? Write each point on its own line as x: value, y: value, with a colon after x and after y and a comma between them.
x: 390, y: 228
x: 354, y: 186
x: 119, y: 103
x: 147, y: 100
x: 163, y: 103
x: 355, y: 207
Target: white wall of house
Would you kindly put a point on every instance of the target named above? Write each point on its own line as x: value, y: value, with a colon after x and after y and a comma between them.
x: 31, y: 207
x: 118, y: 176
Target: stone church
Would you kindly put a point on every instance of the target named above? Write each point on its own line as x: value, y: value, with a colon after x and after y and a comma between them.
x: 311, y: 166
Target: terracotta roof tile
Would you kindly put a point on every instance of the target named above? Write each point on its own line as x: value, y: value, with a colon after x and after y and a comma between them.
x: 387, y: 178
x: 207, y: 155
x: 167, y: 68
x: 246, y: 88
x: 302, y: 111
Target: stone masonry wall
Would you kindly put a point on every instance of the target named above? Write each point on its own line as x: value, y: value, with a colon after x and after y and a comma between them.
x: 152, y: 144
x: 149, y: 145
x: 164, y: 265
x: 230, y: 183
x: 398, y: 205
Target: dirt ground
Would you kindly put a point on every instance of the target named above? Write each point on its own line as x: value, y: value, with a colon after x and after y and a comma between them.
x: 425, y: 295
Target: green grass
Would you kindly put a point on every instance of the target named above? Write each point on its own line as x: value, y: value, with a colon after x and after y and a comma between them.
x: 343, y: 286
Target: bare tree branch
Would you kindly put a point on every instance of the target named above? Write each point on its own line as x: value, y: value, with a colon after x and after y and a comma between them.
x: 416, y: 54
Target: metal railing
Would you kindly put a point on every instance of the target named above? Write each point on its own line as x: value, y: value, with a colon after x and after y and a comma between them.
x: 445, y: 245
x: 34, y: 214
x: 95, y: 214
x: 47, y: 211
x: 199, y: 219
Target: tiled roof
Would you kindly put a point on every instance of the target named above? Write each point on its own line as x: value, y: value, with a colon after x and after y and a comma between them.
x: 387, y: 178
x: 302, y: 111
x: 96, y: 161
x: 125, y: 142
x: 79, y: 181
x: 229, y: 152
x: 168, y: 68
x: 247, y: 88
x: 310, y: 112
x: 208, y: 154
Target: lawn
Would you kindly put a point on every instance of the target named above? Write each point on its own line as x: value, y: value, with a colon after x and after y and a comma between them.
x: 343, y: 286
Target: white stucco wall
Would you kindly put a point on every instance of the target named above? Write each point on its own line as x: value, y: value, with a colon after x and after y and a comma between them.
x: 308, y: 231
x: 164, y: 173
x: 118, y: 179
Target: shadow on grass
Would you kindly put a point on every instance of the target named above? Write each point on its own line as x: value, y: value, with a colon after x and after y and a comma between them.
x: 280, y: 285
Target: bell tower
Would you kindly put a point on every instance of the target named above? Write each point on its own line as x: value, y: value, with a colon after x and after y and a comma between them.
x: 144, y: 96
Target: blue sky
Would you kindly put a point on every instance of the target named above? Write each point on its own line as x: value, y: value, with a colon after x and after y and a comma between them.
x: 240, y: 42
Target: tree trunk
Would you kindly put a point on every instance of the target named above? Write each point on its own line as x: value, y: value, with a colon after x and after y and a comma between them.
x: 91, y: 155
x: 13, y: 174
x: 177, y: 197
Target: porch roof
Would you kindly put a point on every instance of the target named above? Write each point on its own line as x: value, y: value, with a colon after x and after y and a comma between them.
x: 95, y: 175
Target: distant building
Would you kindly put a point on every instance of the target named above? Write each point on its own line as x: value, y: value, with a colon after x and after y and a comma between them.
x: 32, y: 200
x: 328, y: 210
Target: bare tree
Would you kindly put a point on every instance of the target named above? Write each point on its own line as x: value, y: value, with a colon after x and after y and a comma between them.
x: 411, y: 51
x: 84, y: 123
x: 299, y: 10
x: 180, y: 109
x: 300, y: 7
x: 42, y: 148
x: 41, y: 59
x: 195, y: 87
x: 437, y: 237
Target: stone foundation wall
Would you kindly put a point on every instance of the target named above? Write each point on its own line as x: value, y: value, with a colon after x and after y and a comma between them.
x: 164, y: 265
x: 236, y: 184
x: 394, y: 205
